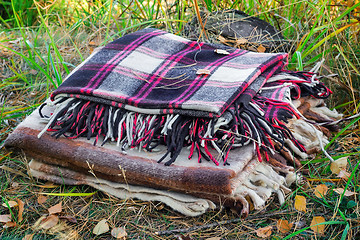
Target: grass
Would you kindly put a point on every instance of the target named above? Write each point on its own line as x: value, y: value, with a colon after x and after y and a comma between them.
x: 37, y: 50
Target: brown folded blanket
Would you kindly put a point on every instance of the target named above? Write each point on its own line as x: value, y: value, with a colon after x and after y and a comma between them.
x: 186, y: 186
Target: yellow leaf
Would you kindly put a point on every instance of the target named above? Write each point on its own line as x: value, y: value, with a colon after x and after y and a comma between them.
x: 320, y: 190
x: 261, y: 49
x: 49, y: 222
x: 300, y: 203
x: 338, y: 165
x: 318, y: 229
x: 347, y: 192
x: 264, y: 232
x: 11, y: 204
x: 101, y: 227
x: 119, y: 233
x: 55, y: 209
x: 283, y: 226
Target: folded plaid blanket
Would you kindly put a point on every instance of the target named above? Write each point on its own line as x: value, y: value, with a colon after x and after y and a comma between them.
x: 152, y: 88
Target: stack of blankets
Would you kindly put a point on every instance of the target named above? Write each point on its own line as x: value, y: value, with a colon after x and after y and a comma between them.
x: 155, y: 116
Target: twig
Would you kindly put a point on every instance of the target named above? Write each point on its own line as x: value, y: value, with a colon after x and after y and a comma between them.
x: 215, y: 224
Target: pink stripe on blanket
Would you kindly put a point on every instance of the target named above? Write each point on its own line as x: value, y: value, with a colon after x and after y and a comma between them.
x: 166, y: 66
x: 94, y: 82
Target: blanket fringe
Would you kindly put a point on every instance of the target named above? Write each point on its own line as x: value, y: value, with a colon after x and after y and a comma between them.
x: 211, y: 139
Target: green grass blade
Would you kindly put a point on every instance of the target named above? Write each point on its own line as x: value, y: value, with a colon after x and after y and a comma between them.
x: 69, y: 194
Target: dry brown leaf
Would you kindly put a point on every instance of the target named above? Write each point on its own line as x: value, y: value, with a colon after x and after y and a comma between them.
x: 283, y: 226
x: 49, y: 222
x: 28, y: 237
x: 263, y: 232
x: 21, y: 205
x: 55, y: 209
x: 5, y: 218
x: 339, y: 164
x: 41, y: 199
x: 203, y: 72
x: 261, y: 49
x: 300, y: 203
x: 318, y: 229
x: 119, y: 233
x: 344, y: 175
x: 320, y: 190
x: 347, y: 192
x: 9, y: 225
x: 101, y: 227
x: 71, y: 219
x: 11, y: 204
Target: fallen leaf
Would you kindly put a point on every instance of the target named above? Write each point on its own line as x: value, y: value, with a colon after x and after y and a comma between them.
x: 339, y: 164
x: 263, y: 232
x: 203, y: 72
x: 101, y: 227
x: 283, y: 226
x: 55, y: 209
x: 300, y: 203
x: 221, y: 51
x: 318, y: 229
x: 5, y: 218
x: 9, y: 225
x: 261, y: 49
x: 69, y: 218
x: 119, y: 233
x: 11, y: 204
x: 21, y: 205
x: 49, y: 222
x: 320, y: 190
x: 41, y: 199
x: 344, y: 175
x: 28, y: 237
x: 347, y: 192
